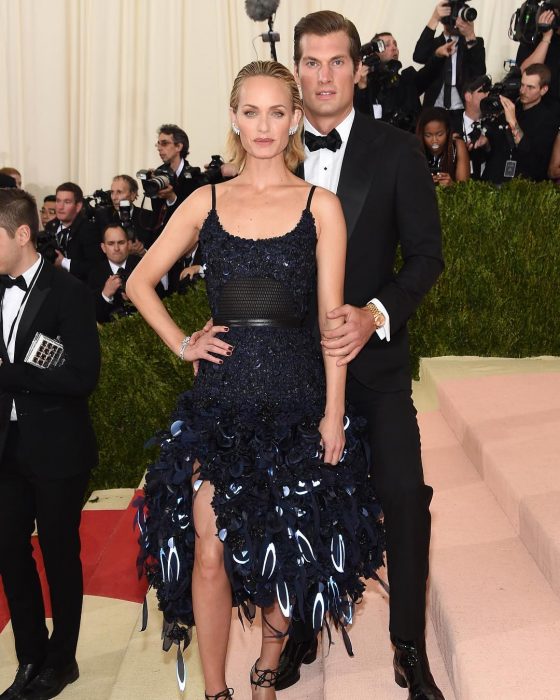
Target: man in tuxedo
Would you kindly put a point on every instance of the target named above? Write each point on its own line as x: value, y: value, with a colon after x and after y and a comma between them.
x: 124, y: 188
x: 381, y: 177
x: 108, y: 278
x: 77, y: 238
x: 47, y: 449
x: 466, y: 60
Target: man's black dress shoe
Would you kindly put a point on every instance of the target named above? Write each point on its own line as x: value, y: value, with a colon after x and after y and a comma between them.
x: 25, y: 674
x: 412, y: 671
x: 50, y: 682
x: 293, y: 656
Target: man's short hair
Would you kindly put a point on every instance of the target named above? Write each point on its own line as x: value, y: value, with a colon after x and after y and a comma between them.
x: 11, y: 172
x: 380, y: 35
x: 475, y: 84
x: 18, y: 208
x: 545, y: 76
x: 327, y: 22
x: 130, y: 181
x: 72, y: 187
x: 178, y: 136
x: 50, y: 198
x: 110, y: 225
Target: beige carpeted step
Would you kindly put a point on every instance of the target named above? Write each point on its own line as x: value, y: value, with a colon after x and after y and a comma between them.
x: 496, y: 617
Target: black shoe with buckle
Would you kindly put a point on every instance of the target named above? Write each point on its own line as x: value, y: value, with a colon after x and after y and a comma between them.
x: 293, y: 656
x: 412, y: 671
x: 50, y: 682
x: 25, y: 674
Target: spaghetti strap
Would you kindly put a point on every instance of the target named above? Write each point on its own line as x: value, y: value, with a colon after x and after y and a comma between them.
x: 309, y: 198
x: 213, y: 186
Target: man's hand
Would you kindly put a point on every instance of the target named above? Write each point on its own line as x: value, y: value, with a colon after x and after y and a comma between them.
x: 113, y: 283
x: 137, y: 247
x: 190, y: 271
x: 363, y: 72
x: 346, y: 341
x: 466, y: 29
x: 57, y: 262
x: 229, y: 170
x: 509, y: 111
x: 446, y: 50
x: 167, y: 193
x: 481, y: 142
x: 441, y: 10
x: 547, y: 18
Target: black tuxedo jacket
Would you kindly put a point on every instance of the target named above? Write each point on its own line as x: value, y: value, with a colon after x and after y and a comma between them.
x: 388, y: 199
x: 52, y: 405
x: 97, y: 278
x: 84, y: 245
x: 471, y: 63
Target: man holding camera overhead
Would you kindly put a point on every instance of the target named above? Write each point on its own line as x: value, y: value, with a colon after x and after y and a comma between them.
x: 465, y: 56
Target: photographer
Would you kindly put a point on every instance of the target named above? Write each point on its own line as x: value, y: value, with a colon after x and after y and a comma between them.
x: 520, y: 144
x: 465, y: 60
x: 474, y: 92
x: 72, y: 239
x: 108, y: 278
x: 135, y: 221
x: 545, y: 50
x: 384, y: 90
x: 173, y: 148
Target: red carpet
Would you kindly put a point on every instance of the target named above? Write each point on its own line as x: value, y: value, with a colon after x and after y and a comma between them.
x: 109, y: 550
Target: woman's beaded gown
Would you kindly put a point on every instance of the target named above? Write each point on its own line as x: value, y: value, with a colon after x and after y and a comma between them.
x: 293, y: 529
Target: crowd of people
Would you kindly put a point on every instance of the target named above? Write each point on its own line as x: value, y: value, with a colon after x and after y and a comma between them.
x: 506, y: 130
x: 268, y: 488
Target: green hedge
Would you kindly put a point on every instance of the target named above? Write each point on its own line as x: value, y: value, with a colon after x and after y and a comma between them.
x: 497, y: 297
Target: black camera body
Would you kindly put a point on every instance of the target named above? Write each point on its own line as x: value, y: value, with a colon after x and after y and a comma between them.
x: 47, y: 244
x: 525, y: 25
x: 157, y: 179
x: 370, y: 52
x: 214, y: 170
x: 98, y: 207
x: 382, y: 72
x: 491, y: 107
x: 459, y: 10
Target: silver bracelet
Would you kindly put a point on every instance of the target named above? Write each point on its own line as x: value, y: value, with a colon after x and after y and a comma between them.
x: 186, y: 340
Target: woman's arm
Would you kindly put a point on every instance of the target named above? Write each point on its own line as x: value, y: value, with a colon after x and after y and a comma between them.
x: 331, y: 260
x: 179, y: 236
x: 463, y: 166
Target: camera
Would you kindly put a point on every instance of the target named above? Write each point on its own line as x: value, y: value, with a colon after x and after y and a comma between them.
x: 214, y: 170
x: 491, y: 107
x: 459, y: 10
x: 98, y: 207
x: 381, y: 72
x: 157, y: 179
x: 525, y: 25
x: 47, y: 244
x: 370, y: 52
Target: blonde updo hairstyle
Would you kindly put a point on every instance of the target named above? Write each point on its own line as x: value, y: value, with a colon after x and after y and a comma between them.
x: 294, y: 152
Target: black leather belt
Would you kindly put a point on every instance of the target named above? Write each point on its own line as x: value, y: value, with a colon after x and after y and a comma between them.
x: 258, y: 322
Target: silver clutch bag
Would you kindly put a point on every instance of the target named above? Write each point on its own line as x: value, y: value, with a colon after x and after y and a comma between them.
x: 44, y: 352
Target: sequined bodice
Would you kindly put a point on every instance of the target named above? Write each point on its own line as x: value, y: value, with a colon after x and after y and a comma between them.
x: 288, y: 259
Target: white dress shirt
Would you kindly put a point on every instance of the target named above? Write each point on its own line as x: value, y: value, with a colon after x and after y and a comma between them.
x: 13, y: 305
x: 322, y: 168
x: 456, y: 101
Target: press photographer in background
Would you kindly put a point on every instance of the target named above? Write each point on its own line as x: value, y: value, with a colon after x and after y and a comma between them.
x: 136, y: 221
x: 386, y: 91
x: 445, y: 150
x: 108, y: 278
x: 519, y: 133
x: 536, y: 25
x: 465, y: 60
x: 473, y: 94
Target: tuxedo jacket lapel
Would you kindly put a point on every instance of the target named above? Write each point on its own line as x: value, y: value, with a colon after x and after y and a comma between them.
x: 36, y: 298
x: 357, y: 172
x: 3, y: 350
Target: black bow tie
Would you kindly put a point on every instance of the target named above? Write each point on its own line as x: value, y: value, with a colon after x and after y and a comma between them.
x: 332, y: 141
x: 7, y: 282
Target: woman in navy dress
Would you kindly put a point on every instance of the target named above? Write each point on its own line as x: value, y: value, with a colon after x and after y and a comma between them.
x: 261, y: 495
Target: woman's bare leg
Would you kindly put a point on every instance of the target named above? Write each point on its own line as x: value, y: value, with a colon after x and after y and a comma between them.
x: 271, y: 647
x: 211, y: 591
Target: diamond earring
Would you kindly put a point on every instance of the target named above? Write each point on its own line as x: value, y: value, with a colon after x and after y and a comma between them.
x: 292, y: 130
x: 235, y: 129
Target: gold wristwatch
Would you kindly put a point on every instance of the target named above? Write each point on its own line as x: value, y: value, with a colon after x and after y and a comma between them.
x: 378, y: 317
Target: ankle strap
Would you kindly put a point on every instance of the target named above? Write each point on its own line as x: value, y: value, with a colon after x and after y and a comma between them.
x: 224, y: 695
x: 265, y: 677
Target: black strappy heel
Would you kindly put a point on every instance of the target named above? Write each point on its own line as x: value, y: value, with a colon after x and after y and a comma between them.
x: 265, y: 677
x: 224, y: 695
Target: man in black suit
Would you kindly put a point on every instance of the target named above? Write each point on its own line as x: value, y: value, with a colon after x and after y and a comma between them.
x: 108, y: 278
x: 381, y: 177
x: 77, y: 238
x: 466, y: 60
x: 136, y: 221
x: 47, y: 449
